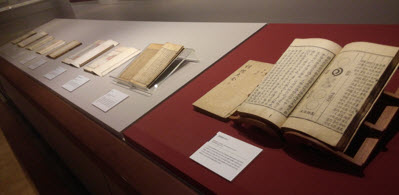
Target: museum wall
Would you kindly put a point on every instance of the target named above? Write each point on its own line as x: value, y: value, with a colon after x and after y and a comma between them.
x: 16, y: 21
x: 273, y: 11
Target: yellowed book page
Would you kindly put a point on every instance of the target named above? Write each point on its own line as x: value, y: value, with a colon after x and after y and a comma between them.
x: 62, y: 50
x: 40, y: 43
x: 32, y: 39
x: 19, y: 39
x: 290, y: 78
x: 224, y: 99
x: 336, y: 102
x: 105, y: 59
x: 138, y: 63
x: 122, y: 58
x: 157, y: 64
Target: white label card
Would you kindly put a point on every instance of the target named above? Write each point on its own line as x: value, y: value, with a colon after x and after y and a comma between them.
x: 28, y: 58
x: 54, y: 73
x: 75, y: 83
x: 109, y: 100
x: 37, y: 64
x: 225, y: 155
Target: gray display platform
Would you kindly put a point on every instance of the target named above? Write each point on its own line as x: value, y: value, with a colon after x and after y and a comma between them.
x: 211, y: 41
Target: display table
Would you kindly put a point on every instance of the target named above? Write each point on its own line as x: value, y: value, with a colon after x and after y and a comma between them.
x: 174, y: 130
x: 156, y: 158
x: 210, y: 41
x: 83, y: 135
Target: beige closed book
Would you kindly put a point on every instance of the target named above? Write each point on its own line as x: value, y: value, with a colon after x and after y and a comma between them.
x: 64, y: 49
x: 111, y: 60
x: 53, y: 45
x: 32, y: 39
x: 152, y: 62
x: 23, y: 37
x: 40, y: 43
x: 224, y: 98
x: 157, y: 65
x: 138, y: 63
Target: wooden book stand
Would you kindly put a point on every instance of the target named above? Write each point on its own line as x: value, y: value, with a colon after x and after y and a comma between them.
x: 363, y: 144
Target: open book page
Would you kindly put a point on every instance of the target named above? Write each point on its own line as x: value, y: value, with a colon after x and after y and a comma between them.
x: 224, y: 99
x: 126, y: 55
x: 290, y: 78
x: 111, y: 60
x: 157, y: 64
x: 138, y: 63
x: 338, y: 102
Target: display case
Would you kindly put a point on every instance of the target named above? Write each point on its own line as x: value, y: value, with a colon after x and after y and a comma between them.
x: 142, y: 144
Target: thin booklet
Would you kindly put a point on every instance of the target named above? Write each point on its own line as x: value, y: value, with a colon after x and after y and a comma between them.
x: 322, y: 90
x: 32, y: 39
x: 50, y: 47
x: 23, y: 37
x: 64, y: 49
x: 34, y: 46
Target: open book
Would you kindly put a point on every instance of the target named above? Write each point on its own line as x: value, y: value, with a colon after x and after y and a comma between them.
x: 320, y: 89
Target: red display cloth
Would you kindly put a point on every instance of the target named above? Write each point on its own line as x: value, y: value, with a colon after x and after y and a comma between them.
x: 173, y: 131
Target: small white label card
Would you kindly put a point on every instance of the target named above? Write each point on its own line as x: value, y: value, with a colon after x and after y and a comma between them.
x: 28, y: 58
x: 54, y: 73
x: 109, y: 100
x: 225, y: 155
x: 75, y: 83
x: 37, y: 64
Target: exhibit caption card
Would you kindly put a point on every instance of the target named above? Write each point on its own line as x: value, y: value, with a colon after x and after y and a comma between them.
x: 75, y: 83
x: 37, y: 64
x: 109, y: 100
x: 54, y: 73
x: 225, y: 155
x: 27, y: 58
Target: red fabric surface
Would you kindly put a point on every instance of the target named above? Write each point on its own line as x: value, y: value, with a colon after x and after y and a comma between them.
x: 174, y: 130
